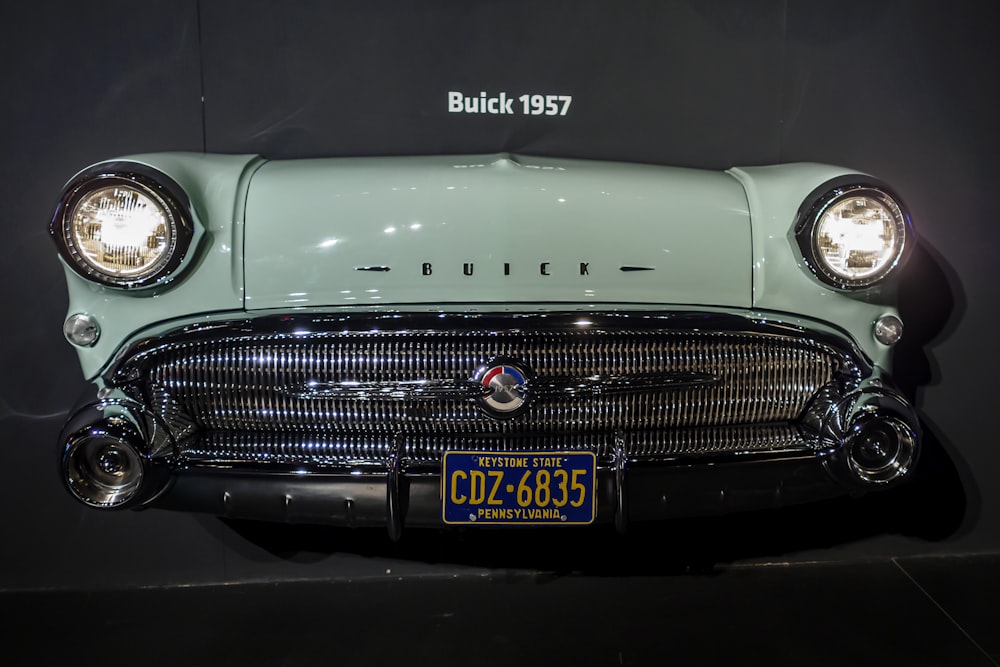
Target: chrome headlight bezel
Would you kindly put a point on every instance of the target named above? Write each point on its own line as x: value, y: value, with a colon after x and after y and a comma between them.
x: 162, y: 191
x: 830, y: 195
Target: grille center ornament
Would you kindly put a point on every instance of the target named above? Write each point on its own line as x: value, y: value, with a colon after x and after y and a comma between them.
x: 504, y: 384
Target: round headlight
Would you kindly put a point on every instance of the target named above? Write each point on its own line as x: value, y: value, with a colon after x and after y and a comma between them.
x: 122, y: 230
x: 854, y: 236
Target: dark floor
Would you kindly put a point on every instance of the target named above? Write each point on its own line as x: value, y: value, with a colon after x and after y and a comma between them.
x: 911, y: 611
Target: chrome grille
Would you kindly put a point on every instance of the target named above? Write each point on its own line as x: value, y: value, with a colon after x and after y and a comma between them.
x: 245, y: 378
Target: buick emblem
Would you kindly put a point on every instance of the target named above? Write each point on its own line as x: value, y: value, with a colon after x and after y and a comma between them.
x: 504, y: 384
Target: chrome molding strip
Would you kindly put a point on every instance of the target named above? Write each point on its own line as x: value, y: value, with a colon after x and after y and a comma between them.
x: 413, y: 390
x: 457, y: 389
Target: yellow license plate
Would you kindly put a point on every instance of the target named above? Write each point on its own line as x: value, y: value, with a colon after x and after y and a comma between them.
x: 519, y: 488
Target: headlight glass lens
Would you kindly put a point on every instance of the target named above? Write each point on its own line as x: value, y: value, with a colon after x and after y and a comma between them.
x: 124, y: 225
x: 857, y: 236
x: 122, y: 231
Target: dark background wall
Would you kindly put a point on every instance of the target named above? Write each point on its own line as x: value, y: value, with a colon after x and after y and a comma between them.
x: 898, y: 89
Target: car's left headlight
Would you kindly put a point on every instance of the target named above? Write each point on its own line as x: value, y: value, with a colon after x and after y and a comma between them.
x: 122, y: 229
x: 854, y: 236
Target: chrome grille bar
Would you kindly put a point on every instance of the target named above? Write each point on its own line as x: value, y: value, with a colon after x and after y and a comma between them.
x: 236, y: 447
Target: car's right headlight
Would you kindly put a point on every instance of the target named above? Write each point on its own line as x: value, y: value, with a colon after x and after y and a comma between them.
x: 122, y: 229
x: 854, y: 235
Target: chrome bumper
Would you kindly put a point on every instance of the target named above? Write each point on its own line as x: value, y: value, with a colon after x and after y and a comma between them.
x: 397, y: 494
x: 640, y: 492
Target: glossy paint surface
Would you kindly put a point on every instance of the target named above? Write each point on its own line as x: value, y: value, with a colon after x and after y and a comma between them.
x: 494, y: 229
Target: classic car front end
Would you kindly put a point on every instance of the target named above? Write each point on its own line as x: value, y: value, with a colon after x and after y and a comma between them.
x: 480, y: 339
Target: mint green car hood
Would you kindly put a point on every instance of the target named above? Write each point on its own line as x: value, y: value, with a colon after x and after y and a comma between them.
x: 496, y: 229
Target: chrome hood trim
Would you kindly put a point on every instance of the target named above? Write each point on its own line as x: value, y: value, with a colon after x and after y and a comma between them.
x: 346, y: 323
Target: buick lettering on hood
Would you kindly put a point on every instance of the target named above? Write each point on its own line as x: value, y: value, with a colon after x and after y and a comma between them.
x: 480, y: 340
